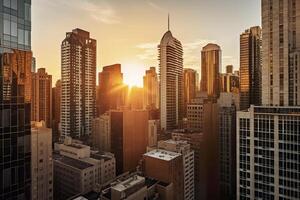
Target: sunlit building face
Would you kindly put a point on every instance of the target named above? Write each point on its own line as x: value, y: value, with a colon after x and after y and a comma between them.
x: 210, y: 70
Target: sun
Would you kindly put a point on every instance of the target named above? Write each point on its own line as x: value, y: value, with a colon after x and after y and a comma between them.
x: 133, y: 74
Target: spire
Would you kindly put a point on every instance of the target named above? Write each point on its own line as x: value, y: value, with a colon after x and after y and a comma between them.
x: 168, y: 21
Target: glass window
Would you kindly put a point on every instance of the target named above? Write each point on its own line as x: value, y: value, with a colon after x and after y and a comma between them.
x: 6, y: 3
x: 20, y: 36
x: 27, y: 12
x: 14, y: 4
x: 27, y: 39
x: 14, y: 29
x: 6, y: 27
x: 7, y: 178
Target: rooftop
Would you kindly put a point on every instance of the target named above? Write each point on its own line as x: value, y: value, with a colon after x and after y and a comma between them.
x: 162, y: 154
x: 71, y: 162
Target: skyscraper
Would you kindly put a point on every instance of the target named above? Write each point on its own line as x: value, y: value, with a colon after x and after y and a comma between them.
x: 129, y: 138
x: 78, y: 78
x: 228, y: 105
x: 210, y: 70
x: 56, y: 104
x: 171, y: 81
x: 15, y: 100
x: 189, y: 87
x: 250, y: 67
x: 151, y: 89
x: 280, y: 47
x: 268, y: 135
x: 111, y: 89
x: 41, y: 106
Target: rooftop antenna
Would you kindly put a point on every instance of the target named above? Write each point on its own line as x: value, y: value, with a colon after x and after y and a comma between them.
x: 168, y: 21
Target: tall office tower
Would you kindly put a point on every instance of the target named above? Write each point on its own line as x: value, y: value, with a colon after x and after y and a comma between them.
x: 15, y: 99
x: 210, y: 70
x: 182, y: 147
x: 101, y: 132
x: 111, y: 89
x: 151, y: 89
x: 211, y: 157
x: 195, y: 139
x: 129, y: 135
x: 56, y: 104
x: 78, y: 169
x: 268, y: 153
x: 42, y: 163
x: 136, y: 99
x: 280, y: 47
x: 229, y: 69
x: 228, y: 105
x: 171, y: 81
x: 78, y: 81
x: 167, y: 167
x: 41, y: 106
x: 250, y: 67
x: 189, y: 87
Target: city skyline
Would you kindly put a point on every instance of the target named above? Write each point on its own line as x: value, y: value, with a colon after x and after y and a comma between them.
x: 135, y: 40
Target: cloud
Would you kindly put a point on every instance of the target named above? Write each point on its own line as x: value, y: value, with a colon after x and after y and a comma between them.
x: 148, y: 51
x: 155, y: 6
x: 99, y: 10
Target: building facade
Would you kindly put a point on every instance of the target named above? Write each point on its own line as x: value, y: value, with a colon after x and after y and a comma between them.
x: 42, y: 163
x: 189, y: 87
x: 41, y: 106
x: 210, y: 70
x: 268, y: 153
x: 129, y: 138
x: 167, y: 167
x: 228, y: 106
x: 280, y: 47
x: 56, y: 107
x: 171, y: 81
x: 182, y: 147
x: 78, y: 80
x: 251, y: 67
x: 151, y: 89
x: 112, y: 92
x: 101, y: 132
x: 196, y: 142
x: 15, y: 99
x: 78, y: 170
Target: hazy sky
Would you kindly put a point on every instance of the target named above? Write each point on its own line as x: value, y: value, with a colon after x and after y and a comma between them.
x: 128, y: 31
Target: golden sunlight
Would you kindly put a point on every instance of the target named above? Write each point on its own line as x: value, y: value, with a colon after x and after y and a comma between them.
x: 133, y: 74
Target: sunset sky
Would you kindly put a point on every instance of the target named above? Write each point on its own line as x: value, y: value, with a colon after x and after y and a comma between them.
x: 128, y: 31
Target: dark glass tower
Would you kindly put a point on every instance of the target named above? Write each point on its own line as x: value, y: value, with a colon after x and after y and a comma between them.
x: 15, y: 98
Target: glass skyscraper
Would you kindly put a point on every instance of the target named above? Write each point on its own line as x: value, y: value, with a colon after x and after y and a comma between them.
x: 15, y: 98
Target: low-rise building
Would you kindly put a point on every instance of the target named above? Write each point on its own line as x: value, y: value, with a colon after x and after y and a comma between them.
x: 78, y: 170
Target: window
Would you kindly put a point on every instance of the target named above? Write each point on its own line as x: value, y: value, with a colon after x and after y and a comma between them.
x: 6, y: 26
x: 6, y: 3
x: 14, y: 4
x: 14, y: 29
x: 27, y: 38
x: 27, y: 12
x: 20, y: 36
